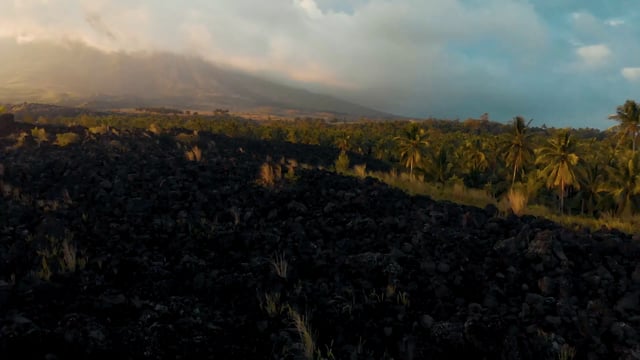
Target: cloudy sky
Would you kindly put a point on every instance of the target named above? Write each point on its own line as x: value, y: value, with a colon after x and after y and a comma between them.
x: 560, y: 62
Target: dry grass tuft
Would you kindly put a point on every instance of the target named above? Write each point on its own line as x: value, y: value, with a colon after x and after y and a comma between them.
x: 342, y: 163
x: 567, y: 352
x: 517, y: 200
x: 360, y: 170
x: 271, y: 304
x: 270, y: 174
x: 280, y: 265
x: 195, y: 154
x: 303, y: 327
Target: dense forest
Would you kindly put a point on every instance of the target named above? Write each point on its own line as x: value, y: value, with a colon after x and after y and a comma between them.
x: 583, y: 176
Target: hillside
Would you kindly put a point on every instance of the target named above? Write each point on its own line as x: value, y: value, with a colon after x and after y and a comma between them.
x: 118, y: 245
x: 74, y: 74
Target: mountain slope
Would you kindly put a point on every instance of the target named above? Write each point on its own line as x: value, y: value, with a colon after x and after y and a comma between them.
x: 74, y: 74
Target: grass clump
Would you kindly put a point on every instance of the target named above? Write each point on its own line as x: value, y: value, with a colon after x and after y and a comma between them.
x: 342, y: 163
x: 302, y: 326
x: 195, y: 154
x: 517, y: 201
x: 280, y: 265
x: 360, y: 170
x: 271, y: 304
x: 567, y: 352
x: 60, y: 256
x: 270, y: 174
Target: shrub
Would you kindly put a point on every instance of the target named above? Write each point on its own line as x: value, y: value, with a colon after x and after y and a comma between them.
x: 98, y: 130
x: 154, y: 128
x: 39, y: 135
x: 67, y: 139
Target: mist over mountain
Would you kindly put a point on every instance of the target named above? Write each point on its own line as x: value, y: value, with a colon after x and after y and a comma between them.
x: 74, y: 74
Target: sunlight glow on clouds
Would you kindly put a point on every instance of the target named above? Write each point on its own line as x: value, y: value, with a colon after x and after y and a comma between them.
x: 447, y: 58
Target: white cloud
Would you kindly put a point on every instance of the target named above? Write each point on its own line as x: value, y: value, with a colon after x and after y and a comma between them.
x: 631, y: 73
x: 594, y: 55
x: 615, y: 22
x: 416, y: 56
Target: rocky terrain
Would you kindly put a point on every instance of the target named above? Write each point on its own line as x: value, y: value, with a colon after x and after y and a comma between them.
x: 119, y: 246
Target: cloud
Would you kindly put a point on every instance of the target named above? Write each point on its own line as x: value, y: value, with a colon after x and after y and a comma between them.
x: 311, y: 8
x: 594, y: 56
x: 445, y: 58
x: 631, y: 73
x: 615, y: 22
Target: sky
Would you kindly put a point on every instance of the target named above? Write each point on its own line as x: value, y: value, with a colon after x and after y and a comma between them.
x: 558, y: 62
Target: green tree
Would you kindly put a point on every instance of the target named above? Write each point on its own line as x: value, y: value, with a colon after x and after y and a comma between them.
x: 343, y: 142
x: 2, y: 109
x: 628, y: 115
x: 517, y: 150
x: 559, y: 163
x: 624, y: 183
x: 439, y: 165
x: 412, y: 146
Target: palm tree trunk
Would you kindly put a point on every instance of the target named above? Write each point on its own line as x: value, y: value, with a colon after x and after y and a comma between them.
x: 561, y: 196
x: 513, y: 180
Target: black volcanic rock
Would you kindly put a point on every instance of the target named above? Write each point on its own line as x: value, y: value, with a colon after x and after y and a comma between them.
x: 7, y: 124
x: 133, y: 251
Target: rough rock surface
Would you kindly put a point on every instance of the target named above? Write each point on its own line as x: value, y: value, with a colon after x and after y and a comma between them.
x: 7, y: 124
x: 174, y: 259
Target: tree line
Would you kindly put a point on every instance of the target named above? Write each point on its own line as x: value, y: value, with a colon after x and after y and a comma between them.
x: 577, y: 171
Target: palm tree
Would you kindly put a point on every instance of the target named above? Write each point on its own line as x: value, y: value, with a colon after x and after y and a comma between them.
x: 412, y: 146
x: 473, y: 161
x: 559, y: 164
x: 591, y: 185
x: 624, y: 182
x: 518, y: 152
x: 439, y: 164
x: 628, y: 115
x: 475, y: 152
